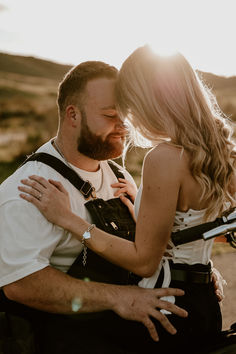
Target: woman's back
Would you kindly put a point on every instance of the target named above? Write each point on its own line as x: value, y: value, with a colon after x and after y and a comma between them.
x: 190, y: 190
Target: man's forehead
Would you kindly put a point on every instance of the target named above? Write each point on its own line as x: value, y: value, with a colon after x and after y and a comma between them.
x: 101, y: 88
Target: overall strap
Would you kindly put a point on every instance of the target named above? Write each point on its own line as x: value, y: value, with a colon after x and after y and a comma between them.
x: 116, y: 170
x: 85, y: 187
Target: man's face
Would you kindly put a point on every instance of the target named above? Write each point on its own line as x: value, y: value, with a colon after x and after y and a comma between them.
x: 102, y: 133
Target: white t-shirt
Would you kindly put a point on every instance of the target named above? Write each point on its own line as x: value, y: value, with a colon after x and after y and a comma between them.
x: 28, y: 242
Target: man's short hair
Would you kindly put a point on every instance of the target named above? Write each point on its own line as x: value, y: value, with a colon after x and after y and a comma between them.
x: 71, y: 88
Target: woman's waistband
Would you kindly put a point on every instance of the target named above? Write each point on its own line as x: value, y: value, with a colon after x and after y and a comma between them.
x: 196, y: 273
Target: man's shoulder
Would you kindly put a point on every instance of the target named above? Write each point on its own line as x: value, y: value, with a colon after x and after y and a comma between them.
x: 9, y: 187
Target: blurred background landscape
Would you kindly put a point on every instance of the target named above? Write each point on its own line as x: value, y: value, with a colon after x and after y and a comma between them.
x: 28, y: 111
x: 28, y: 118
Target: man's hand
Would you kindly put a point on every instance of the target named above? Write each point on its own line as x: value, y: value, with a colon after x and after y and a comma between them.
x: 132, y: 303
x: 138, y: 304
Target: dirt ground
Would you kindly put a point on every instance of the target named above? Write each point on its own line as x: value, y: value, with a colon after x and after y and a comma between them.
x: 225, y: 263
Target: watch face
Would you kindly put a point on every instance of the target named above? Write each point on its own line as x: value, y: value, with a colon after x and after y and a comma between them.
x: 86, y: 235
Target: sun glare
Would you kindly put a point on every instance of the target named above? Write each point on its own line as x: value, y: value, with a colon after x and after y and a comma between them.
x: 167, y: 26
x: 164, y: 51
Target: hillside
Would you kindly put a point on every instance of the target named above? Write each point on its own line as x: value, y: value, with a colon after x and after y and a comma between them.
x: 219, y: 82
x: 31, y: 66
x: 28, y: 112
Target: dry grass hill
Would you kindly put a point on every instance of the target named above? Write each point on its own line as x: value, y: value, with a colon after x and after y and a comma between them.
x: 31, y: 66
x: 28, y: 113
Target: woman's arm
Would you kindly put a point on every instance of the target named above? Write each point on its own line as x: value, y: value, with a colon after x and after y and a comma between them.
x: 161, y: 184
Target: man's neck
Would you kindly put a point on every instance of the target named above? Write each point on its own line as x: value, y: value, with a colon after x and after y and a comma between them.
x: 74, y: 157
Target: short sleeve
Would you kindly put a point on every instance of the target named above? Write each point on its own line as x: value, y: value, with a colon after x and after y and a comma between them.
x: 27, y: 240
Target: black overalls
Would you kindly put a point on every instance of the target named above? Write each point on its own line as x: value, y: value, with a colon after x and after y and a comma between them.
x: 101, y: 332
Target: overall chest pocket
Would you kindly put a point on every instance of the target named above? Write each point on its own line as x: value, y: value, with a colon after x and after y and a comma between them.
x: 113, y: 217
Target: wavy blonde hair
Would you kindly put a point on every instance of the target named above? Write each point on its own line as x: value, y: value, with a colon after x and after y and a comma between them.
x: 164, y: 98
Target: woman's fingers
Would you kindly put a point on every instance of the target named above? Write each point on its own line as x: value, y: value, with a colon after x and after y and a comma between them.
x: 31, y: 191
x: 125, y: 187
x: 40, y: 180
x: 31, y: 199
x: 122, y: 183
x: 58, y: 185
x: 50, y: 197
x: 218, y: 283
x: 129, y: 205
x: 39, y: 185
x: 33, y: 184
x: 118, y: 185
x: 127, y: 202
x: 39, y: 188
x: 120, y: 191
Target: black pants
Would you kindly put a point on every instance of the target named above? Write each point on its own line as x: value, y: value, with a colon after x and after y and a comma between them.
x: 196, y: 333
x: 108, y: 333
x: 75, y: 335
x: 202, y: 324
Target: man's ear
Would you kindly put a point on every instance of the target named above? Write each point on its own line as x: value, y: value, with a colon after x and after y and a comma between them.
x: 73, y: 115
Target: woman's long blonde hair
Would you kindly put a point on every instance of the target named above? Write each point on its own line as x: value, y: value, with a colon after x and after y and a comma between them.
x: 163, y: 97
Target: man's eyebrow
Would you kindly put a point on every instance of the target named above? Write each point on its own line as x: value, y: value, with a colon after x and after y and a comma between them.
x: 108, y: 107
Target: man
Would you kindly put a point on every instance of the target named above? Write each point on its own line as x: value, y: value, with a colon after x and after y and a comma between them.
x: 35, y: 254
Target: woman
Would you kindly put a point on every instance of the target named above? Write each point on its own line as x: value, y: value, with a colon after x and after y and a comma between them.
x: 188, y: 178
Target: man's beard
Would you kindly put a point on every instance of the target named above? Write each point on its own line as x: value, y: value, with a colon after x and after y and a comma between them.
x: 94, y: 147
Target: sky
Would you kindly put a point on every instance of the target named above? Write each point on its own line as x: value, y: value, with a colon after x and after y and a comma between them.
x: 71, y: 31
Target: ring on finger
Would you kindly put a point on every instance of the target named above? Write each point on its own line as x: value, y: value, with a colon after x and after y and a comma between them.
x: 39, y: 196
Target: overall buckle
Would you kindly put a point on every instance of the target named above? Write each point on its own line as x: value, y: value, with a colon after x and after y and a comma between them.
x: 88, y: 190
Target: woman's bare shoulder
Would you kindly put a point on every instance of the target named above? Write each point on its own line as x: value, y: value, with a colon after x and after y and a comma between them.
x: 165, y: 160
x: 166, y: 153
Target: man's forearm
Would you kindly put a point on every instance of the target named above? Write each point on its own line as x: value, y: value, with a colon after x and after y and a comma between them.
x: 53, y: 291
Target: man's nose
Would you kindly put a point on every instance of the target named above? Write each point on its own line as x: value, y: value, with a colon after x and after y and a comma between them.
x: 120, y: 124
